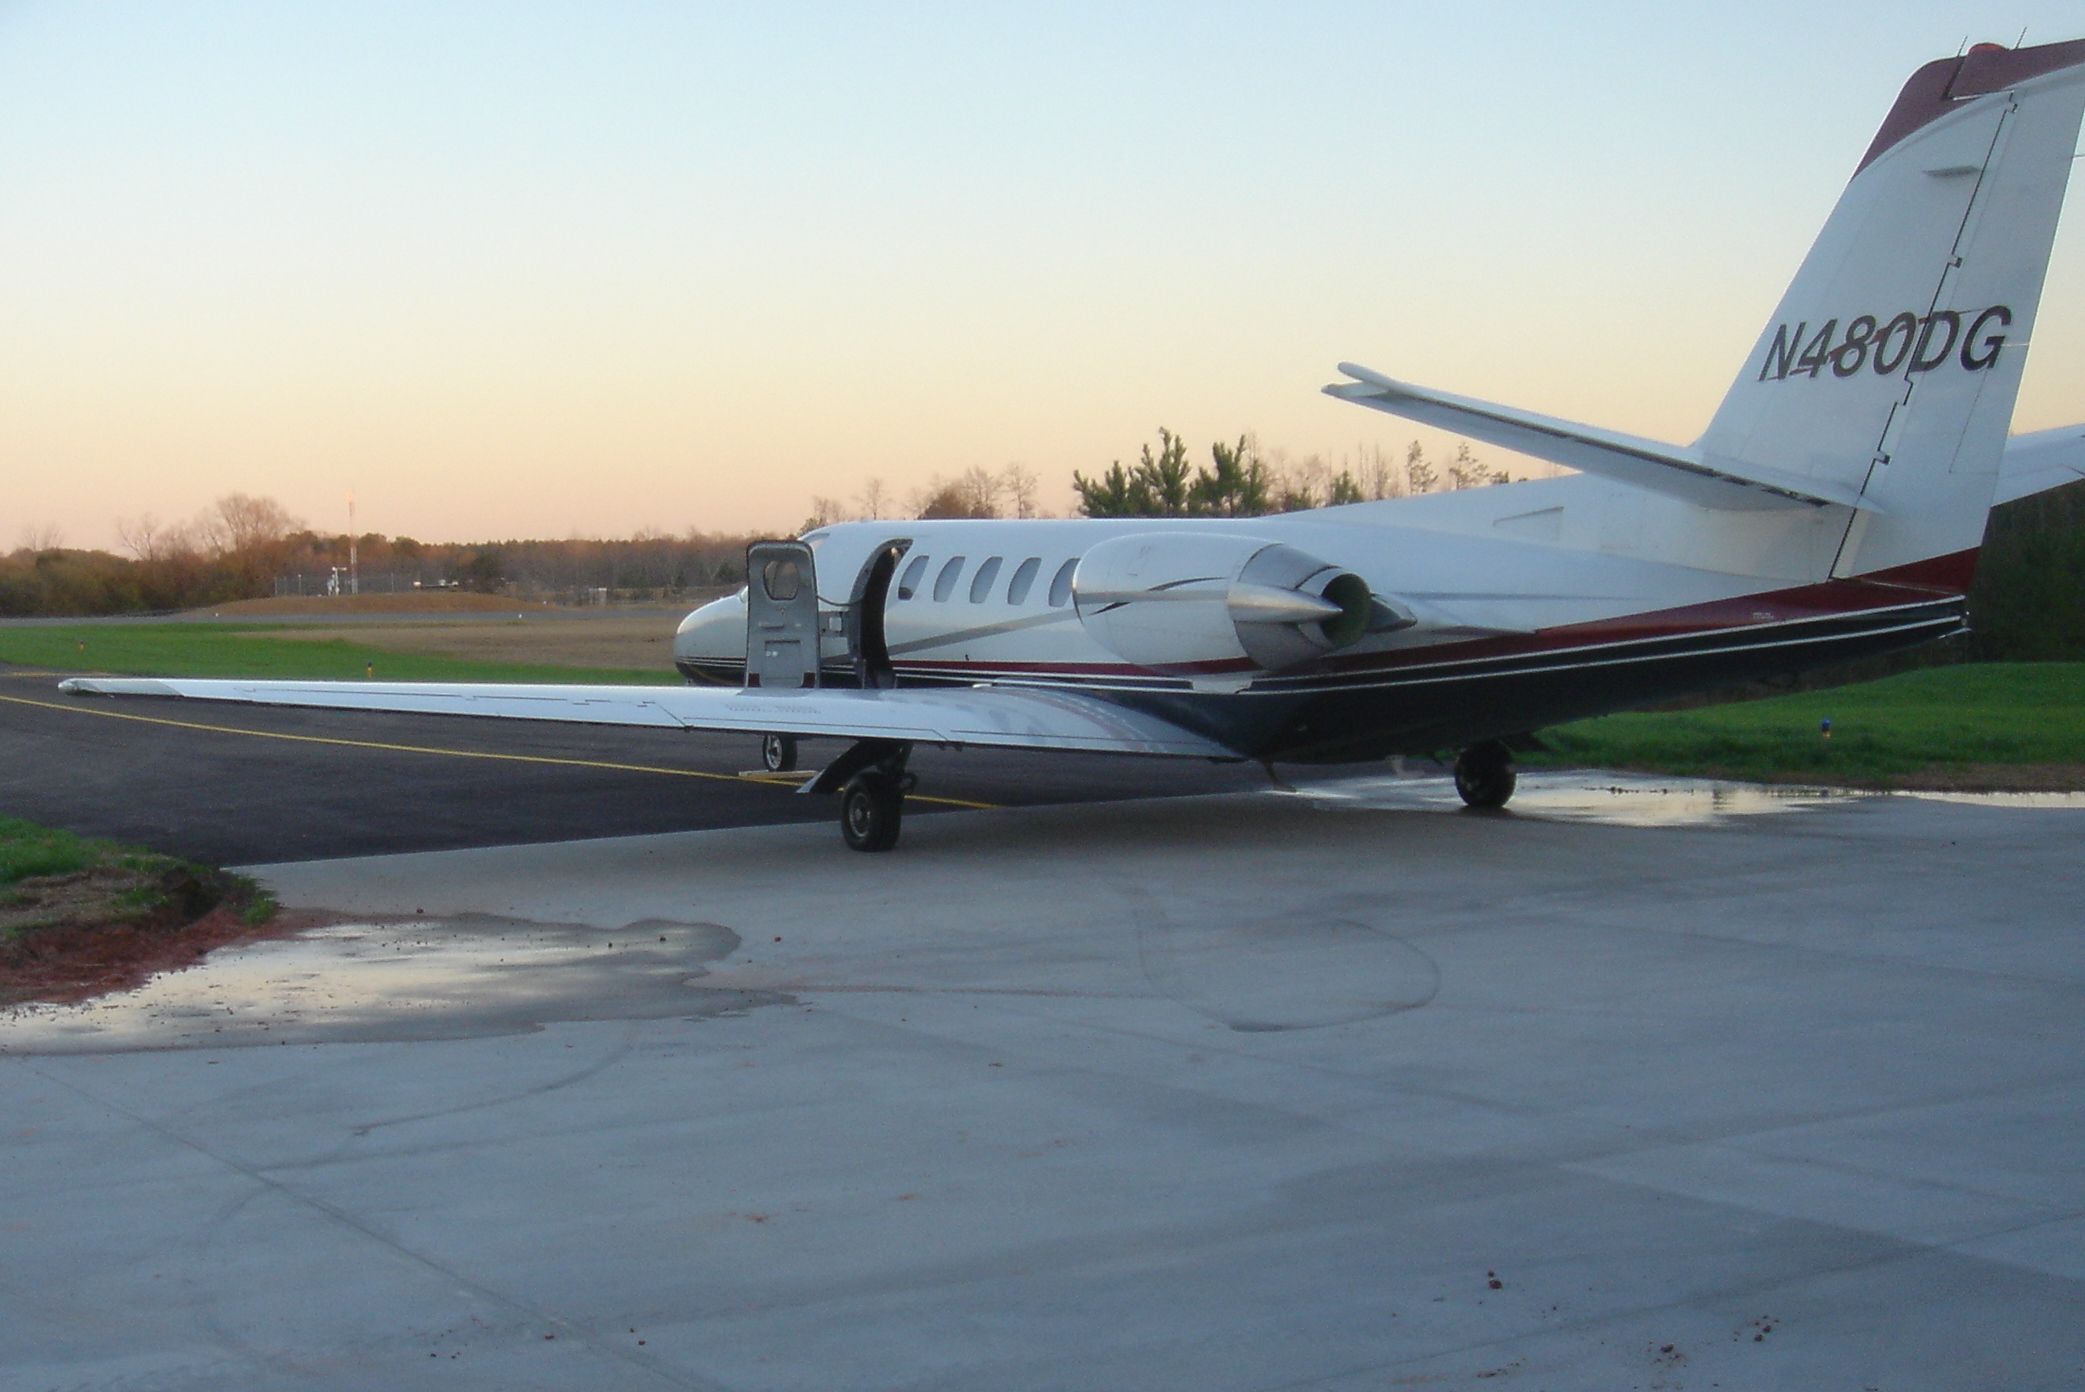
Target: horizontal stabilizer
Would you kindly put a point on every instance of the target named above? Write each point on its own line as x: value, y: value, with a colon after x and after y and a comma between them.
x: 1670, y: 469
x: 2037, y: 462
x: 1002, y: 717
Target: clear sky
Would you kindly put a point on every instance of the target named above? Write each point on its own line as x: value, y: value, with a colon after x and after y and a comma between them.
x: 514, y: 269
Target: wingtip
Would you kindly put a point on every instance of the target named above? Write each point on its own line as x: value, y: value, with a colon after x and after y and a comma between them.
x: 1368, y: 377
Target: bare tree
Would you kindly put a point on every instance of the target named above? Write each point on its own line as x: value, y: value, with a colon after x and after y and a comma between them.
x: 1380, y: 478
x: 1017, y: 483
x: 824, y: 512
x: 875, y: 498
x: 979, y: 491
x: 239, y: 524
x: 42, y: 536
x: 971, y: 495
x: 1306, y: 485
x: 140, y: 536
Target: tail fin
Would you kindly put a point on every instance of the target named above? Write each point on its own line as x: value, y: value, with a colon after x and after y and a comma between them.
x: 1890, y: 368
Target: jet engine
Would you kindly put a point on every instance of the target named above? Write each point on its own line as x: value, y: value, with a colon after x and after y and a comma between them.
x: 1203, y: 602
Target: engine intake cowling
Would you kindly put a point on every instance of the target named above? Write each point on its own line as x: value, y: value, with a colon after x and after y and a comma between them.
x: 1206, y: 603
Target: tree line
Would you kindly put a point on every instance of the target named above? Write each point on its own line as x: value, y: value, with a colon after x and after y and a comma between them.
x: 243, y: 547
x: 1239, y: 482
x: 2028, y: 602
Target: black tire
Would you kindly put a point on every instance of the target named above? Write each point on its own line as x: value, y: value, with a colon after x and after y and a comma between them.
x: 871, y: 809
x: 778, y: 753
x: 1484, y: 775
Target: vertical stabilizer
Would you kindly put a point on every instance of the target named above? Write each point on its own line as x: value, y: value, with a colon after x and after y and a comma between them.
x: 1890, y: 368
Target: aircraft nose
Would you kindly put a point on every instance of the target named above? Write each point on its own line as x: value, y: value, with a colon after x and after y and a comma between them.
x: 714, y: 633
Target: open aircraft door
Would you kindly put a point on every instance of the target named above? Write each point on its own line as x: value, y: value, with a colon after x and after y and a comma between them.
x: 781, y: 616
x: 865, y: 610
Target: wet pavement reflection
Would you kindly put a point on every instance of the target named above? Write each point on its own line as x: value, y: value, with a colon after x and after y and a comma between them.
x: 447, y: 977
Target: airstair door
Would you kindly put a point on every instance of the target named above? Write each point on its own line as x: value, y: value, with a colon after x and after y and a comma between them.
x: 781, y: 616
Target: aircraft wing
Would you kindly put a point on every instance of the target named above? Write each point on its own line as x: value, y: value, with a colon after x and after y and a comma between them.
x: 1661, y: 468
x: 1003, y: 717
x: 2041, y: 460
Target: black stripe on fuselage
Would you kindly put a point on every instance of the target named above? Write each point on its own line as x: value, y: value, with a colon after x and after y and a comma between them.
x: 1423, y: 706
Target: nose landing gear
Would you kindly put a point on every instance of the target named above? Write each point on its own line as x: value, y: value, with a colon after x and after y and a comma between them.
x: 778, y: 753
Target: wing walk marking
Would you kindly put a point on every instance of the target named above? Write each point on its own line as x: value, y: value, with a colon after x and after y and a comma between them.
x: 761, y: 778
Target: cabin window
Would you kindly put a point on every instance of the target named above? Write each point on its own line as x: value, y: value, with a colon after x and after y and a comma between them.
x: 1060, y: 587
x: 908, y: 584
x: 945, y: 582
x: 1024, y: 577
x: 982, y: 585
x: 782, y: 578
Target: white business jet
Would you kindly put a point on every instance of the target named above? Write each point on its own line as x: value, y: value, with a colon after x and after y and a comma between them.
x: 1832, y: 510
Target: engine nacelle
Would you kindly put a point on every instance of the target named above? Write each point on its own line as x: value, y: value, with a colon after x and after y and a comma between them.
x: 1198, y: 603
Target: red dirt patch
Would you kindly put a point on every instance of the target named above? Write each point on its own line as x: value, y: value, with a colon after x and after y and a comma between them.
x: 69, y: 965
x: 65, y: 938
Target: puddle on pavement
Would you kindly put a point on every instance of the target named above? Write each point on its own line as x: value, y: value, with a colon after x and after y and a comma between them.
x: 2072, y: 800
x: 1641, y: 800
x: 446, y: 977
x: 1615, y: 799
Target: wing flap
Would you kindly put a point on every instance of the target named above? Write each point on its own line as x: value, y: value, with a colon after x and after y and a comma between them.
x: 1650, y: 464
x: 1001, y: 717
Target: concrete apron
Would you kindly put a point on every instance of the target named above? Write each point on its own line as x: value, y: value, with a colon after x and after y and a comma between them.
x: 1342, y: 1088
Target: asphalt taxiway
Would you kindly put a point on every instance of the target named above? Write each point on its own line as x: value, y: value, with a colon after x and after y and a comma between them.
x: 1634, y: 1086
x: 232, y: 784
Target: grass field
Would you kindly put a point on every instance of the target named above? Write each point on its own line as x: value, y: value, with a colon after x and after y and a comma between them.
x: 27, y: 849
x: 1938, y: 726
x: 247, y: 650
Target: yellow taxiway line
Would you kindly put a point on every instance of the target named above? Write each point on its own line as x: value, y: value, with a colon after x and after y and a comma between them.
x: 774, y: 780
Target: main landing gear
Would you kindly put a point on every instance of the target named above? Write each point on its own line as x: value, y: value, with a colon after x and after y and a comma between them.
x: 872, y: 782
x: 1484, y: 774
x: 872, y: 808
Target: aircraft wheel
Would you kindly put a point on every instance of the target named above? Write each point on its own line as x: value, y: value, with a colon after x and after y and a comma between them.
x: 1484, y: 774
x: 778, y: 753
x: 871, y: 807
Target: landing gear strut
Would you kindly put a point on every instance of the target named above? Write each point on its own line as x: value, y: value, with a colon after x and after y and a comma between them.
x: 1484, y: 774
x: 778, y: 753
x: 872, y: 782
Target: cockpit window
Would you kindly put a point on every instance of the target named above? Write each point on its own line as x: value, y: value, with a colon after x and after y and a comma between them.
x: 1060, y: 587
x: 945, y: 582
x: 1024, y: 578
x: 981, y: 587
x: 908, y: 583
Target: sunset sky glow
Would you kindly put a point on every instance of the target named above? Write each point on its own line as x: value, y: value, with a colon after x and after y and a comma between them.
x: 549, y: 270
